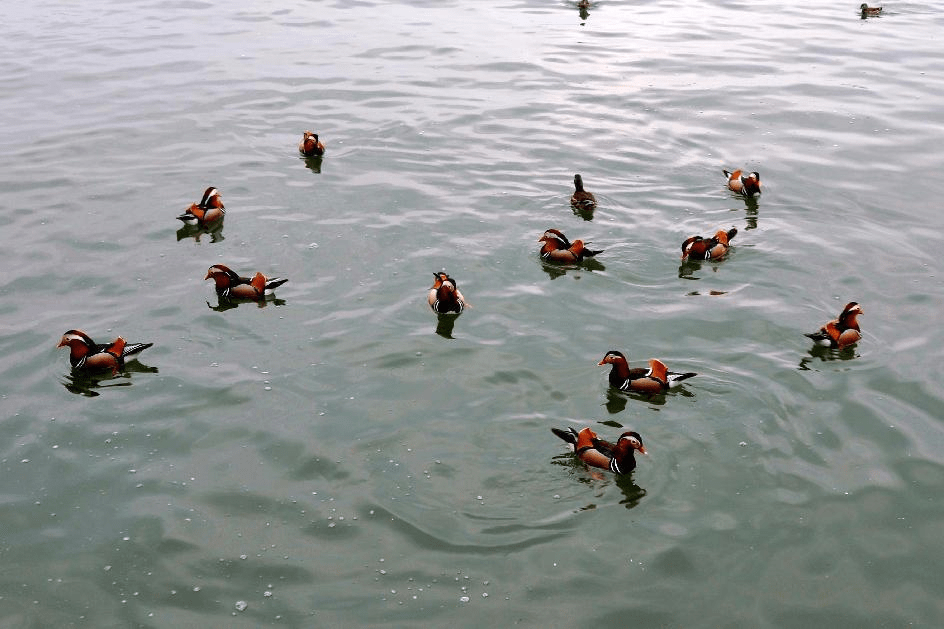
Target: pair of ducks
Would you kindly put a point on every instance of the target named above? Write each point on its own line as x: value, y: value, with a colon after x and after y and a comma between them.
x: 444, y: 296
x: 716, y: 247
x: 229, y: 284
x: 620, y: 458
x: 210, y: 210
x: 97, y: 358
x: 838, y: 333
x: 747, y: 184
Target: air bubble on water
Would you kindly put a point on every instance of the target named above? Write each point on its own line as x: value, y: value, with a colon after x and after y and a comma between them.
x: 241, y: 606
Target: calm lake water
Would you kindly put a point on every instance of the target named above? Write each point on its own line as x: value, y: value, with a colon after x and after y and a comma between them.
x: 338, y: 457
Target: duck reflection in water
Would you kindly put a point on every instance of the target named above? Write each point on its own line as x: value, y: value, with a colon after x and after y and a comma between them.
x: 196, y: 232
x: 555, y: 271
x: 223, y: 303
x: 689, y: 268
x: 750, y: 213
x: 83, y: 383
x: 445, y: 324
x: 826, y: 354
x: 598, y: 482
x: 617, y: 400
x: 314, y: 163
x: 632, y: 493
x: 583, y: 7
x: 583, y: 212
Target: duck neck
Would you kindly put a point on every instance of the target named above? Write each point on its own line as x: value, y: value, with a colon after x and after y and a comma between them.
x: 620, y: 371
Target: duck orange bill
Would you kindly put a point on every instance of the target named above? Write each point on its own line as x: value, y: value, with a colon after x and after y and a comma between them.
x: 642, y: 449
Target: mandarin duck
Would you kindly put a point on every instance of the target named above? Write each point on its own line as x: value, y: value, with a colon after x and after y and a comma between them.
x: 698, y: 248
x: 558, y: 249
x: 656, y: 379
x: 582, y: 199
x: 444, y: 296
x: 87, y: 355
x: 230, y: 285
x: 841, y: 331
x: 209, y: 210
x: 617, y: 457
x: 868, y: 11
x: 747, y: 185
x: 311, y: 146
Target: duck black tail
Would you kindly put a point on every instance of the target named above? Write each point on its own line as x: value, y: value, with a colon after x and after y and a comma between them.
x: 675, y: 378
x: 569, y: 435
